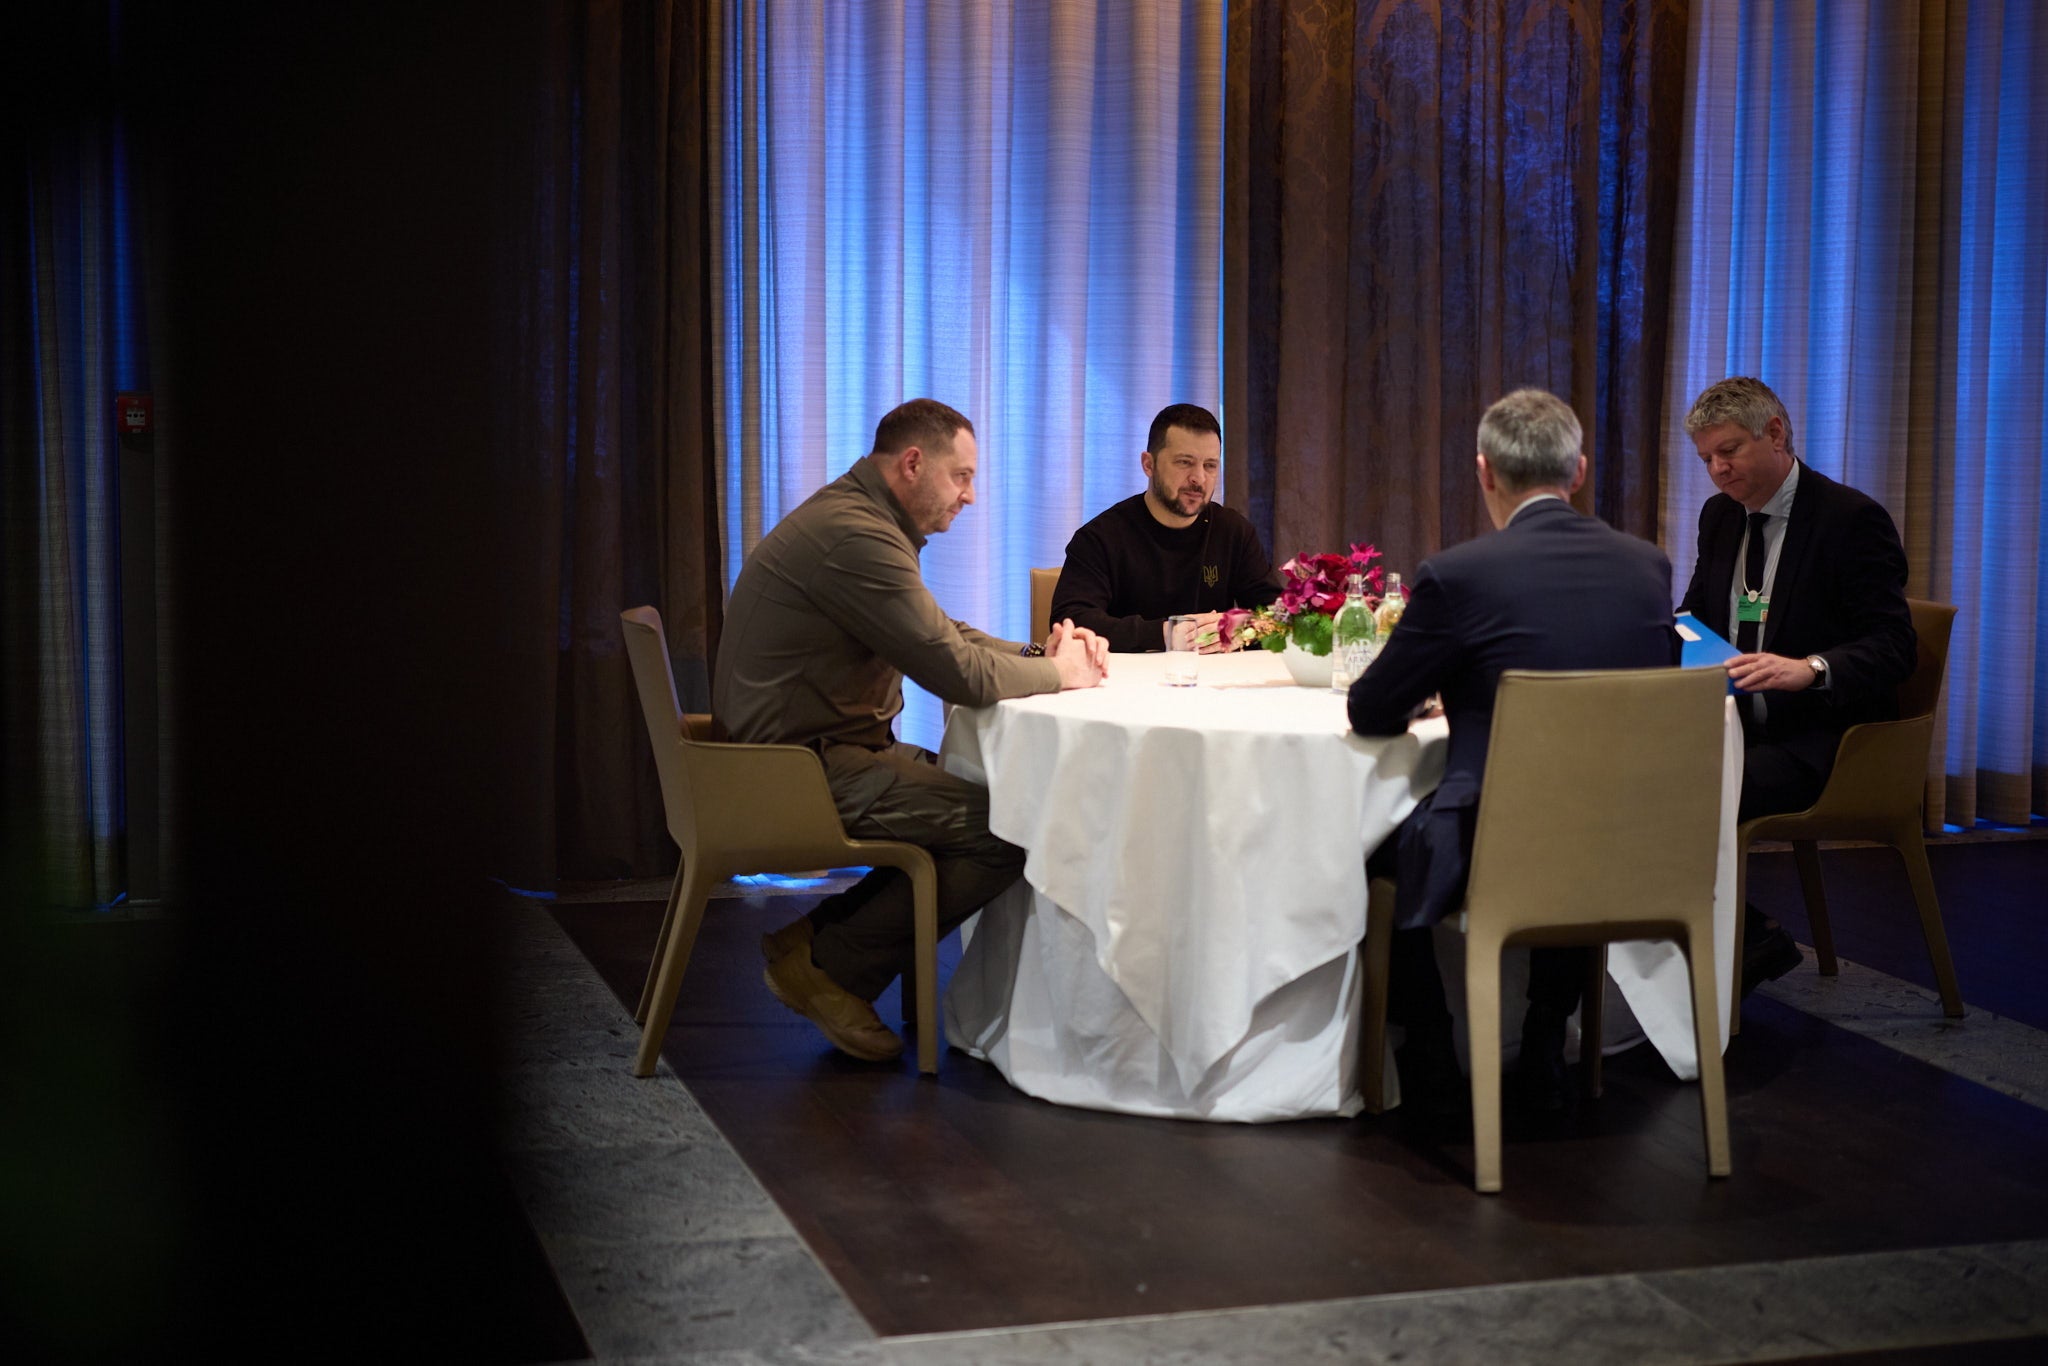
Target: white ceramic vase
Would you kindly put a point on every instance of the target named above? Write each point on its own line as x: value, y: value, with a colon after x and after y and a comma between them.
x: 1310, y: 671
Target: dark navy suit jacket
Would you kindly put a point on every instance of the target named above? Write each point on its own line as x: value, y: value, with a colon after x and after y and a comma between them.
x: 1840, y: 592
x: 1552, y: 590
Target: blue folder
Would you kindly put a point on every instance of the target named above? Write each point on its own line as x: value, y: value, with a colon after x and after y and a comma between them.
x: 1700, y: 648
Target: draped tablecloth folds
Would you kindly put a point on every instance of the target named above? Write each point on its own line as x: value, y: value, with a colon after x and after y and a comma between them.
x: 1185, y: 938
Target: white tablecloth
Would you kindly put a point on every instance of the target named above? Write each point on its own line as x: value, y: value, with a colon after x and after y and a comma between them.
x: 1184, y: 941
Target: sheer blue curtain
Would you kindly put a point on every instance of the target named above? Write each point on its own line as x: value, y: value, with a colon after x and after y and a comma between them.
x: 71, y: 338
x: 1863, y: 223
x: 1993, y: 531
x: 1014, y: 208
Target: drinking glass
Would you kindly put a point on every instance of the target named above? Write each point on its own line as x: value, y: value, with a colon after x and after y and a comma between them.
x: 1183, y: 661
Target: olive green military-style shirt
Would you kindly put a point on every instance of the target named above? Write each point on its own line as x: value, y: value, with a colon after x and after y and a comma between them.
x: 830, y: 613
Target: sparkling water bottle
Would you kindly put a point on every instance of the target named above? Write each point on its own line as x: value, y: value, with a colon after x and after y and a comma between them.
x: 1392, y: 605
x: 1353, y: 637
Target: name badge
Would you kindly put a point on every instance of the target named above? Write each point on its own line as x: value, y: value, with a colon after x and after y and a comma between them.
x: 1749, y: 607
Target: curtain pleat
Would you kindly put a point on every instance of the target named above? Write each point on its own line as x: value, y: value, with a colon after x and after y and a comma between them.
x: 1864, y: 192
x: 62, y: 784
x: 608, y: 402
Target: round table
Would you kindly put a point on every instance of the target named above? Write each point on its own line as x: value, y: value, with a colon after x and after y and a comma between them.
x: 1184, y: 939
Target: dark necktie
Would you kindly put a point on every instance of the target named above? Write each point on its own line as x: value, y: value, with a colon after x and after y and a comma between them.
x: 1749, y: 633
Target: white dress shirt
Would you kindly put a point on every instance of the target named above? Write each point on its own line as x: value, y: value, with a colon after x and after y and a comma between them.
x: 1778, y: 509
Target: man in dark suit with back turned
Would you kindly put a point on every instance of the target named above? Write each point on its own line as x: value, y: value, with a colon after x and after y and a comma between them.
x: 1553, y: 590
x: 1807, y: 578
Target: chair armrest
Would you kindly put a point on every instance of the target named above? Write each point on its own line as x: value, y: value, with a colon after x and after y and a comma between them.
x: 1883, y: 761
x: 1880, y: 772
x: 751, y: 799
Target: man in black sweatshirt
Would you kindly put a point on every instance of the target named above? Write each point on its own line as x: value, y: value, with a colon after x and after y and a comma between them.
x: 1168, y: 551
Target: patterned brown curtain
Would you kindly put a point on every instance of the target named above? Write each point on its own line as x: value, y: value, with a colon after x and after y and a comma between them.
x: 1427, y: 205
x: 609, y: 403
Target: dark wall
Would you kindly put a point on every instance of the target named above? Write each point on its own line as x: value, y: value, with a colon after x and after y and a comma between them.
x: 314, y: 1154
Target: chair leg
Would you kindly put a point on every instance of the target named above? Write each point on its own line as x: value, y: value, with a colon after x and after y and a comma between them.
x: 668, y: 921
x: 1806, y: 854
x: 1372, y: 1032
x: 1913, y: 849
x: 925, y: 897
x: 1741, y: 914
x: 1699, y: 957
x: 1482, y: 1018
x: 1592, y: 1019
x: 674, y: 962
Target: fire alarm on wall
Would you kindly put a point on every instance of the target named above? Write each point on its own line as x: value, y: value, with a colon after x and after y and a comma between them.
x: 132, y: 414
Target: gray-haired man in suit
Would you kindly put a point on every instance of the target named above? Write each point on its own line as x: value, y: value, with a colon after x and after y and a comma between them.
x: 1808, y: 579
x: 1551, y: 590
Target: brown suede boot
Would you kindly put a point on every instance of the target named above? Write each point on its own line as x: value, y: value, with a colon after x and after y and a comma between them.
x: 797, y: 933
x: 844, y: 1018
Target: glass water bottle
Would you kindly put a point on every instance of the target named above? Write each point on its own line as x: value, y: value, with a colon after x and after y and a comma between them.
x: 1353, y: 637
x: 1392, y: 605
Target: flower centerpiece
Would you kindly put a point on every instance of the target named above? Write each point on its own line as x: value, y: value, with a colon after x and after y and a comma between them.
x: 1296, y: 625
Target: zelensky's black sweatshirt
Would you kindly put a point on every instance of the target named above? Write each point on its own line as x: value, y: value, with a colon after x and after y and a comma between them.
x: 1126, y: 573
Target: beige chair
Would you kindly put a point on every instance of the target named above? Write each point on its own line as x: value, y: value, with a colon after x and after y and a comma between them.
x: 750, y: 809
x: 1583, y: 840
x: 1042, y: 581
x: 1877, y: 791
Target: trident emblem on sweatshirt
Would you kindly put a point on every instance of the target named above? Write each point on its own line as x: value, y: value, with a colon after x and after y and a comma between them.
x: 1210, y: 574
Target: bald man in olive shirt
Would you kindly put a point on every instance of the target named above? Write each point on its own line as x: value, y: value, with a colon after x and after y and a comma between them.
x: 828, y: 615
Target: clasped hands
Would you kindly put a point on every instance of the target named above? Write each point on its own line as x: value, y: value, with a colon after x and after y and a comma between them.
x: 1081, y: 656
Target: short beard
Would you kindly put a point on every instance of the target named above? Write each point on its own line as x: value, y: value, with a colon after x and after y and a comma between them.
x: 1164, y: 497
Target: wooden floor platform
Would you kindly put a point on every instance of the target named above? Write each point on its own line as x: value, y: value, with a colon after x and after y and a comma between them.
x: 959, y: 1203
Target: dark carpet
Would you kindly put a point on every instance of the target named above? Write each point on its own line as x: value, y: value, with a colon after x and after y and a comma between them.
x: 1994, y: 905
x: 958, y: 1203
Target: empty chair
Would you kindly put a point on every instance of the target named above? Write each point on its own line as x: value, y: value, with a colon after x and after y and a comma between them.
x: 1042, y: 582
x: 1877, y: 791
x: 750, y: 809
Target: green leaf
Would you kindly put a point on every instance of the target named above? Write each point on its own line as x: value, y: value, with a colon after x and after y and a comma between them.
x: 1311, y: 632
x: 1276, y: 642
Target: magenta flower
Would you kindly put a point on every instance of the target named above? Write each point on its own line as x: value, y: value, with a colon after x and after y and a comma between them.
x: 1316, y: 584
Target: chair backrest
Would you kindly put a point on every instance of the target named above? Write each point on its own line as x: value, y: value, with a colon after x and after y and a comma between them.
x: 1602, y: 796
x: 1932, y: 623
x: 1042, y: 581
x: 747, y: 806
x: 654, y: 680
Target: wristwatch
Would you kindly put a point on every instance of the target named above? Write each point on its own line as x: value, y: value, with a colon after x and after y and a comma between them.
x: 1820, y: 670
x: 1033, y: 651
